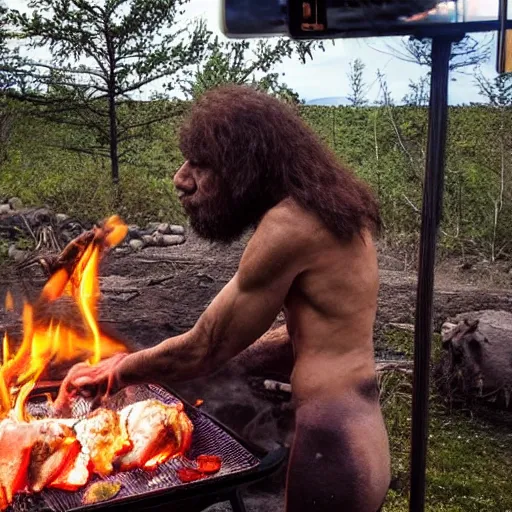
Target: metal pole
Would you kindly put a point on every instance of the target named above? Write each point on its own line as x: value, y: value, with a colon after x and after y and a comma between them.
x: 431, y: 215
x: 502, y: 37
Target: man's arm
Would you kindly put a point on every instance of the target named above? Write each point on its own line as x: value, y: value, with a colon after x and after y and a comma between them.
x: 240, y: 314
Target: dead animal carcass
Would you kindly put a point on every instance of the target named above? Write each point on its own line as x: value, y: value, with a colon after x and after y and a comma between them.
x: 477, y: 356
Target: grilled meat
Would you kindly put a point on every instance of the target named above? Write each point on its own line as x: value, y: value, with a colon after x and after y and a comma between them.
x: 32, y: 455
x: 54, y: 447
x: 63, y: 453
x: 14, y: 460
x: 103, y: 437
x: 157, y: 432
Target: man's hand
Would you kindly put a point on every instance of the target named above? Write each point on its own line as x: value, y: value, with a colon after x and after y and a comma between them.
x: 96, y: 382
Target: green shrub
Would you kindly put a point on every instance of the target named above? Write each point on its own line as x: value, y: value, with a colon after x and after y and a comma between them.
x: 385, y: 146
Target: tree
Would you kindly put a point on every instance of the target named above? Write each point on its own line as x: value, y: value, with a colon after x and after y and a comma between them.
x: 498, y: 92
x: 244, y: 62
x: 468, y: 52
x: 419, y: 92
x: 8, y: 56
x: 8, y: 79
x: 103, y: 51
x: 358, y: 87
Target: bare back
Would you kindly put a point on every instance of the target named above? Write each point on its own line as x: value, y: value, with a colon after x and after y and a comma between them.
x: 341, y: 447
x: 330, y: 312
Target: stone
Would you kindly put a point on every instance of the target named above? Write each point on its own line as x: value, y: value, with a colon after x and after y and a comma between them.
x: 61, y: 217
x: 134, y: 233
x: 16, y: 254
x: 147, y: 239
x: 177, y: 230
x: 157, y: 238
x: 164, y: 228
x: 168, y: 240
x: 16, y: 203
x: 136, y: 244
x: 475, y: 362
x: 5, y: 208
x: 152, y: 226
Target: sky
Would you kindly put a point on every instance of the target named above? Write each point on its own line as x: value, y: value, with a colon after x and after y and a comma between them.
x: 325, y: 76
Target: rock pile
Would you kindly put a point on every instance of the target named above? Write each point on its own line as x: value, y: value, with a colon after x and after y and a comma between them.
x: 28, y: 230
x: 154, y: 235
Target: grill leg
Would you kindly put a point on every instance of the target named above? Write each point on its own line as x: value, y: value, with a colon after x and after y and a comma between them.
x: 237, y: 503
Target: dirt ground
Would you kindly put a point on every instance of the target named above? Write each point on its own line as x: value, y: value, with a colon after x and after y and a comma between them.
x: 157, y: 293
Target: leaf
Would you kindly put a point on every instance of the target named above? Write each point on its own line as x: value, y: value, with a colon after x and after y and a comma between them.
x: 101, y: 491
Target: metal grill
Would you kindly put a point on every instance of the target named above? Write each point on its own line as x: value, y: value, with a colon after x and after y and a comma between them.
x: 208, y: 438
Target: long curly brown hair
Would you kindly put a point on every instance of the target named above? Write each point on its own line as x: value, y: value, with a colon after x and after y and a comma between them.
x: 265, y: 153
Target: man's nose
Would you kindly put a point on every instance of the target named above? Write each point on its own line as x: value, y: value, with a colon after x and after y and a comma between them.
x: 183, y: 179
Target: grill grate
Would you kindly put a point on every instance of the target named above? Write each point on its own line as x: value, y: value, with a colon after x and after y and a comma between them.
x: 208, y: 438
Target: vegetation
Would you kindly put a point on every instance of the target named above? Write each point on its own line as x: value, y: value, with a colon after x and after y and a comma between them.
x: 468, y: 458
x: 101, y: 53
x: 384, y: 145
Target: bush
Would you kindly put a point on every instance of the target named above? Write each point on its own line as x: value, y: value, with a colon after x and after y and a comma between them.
x: 384, y: 146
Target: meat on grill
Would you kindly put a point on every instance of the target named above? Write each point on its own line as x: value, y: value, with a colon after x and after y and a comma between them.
x: 157, y: 431
x: 63, y: 453
x: 103, y: 437
x: 32, y: 455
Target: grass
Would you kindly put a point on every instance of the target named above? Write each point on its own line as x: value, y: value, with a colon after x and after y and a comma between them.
x: 469, y: 457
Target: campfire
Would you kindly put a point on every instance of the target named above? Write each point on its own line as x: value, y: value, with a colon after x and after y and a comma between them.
x: 49, y: 452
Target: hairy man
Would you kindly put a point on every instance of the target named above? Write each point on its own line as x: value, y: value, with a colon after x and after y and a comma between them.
x: 252, y: 162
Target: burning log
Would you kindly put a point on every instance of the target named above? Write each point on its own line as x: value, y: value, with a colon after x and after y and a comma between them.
x: 46, y: 340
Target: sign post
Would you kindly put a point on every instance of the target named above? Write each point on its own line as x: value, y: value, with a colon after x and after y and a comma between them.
x: 431, y: 217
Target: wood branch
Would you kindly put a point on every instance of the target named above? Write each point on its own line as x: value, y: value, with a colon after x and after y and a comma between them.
x: 142, y: 124
x: 380, y: 367
x: 274, y: 385
x: 86, y: 71
x: 168, y: 260
x: 160, y: 280
x: 402, y: 327
x: 395, y: 366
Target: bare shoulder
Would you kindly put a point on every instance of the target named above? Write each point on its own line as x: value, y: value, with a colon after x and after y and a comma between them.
x: 287, y: 227
x: 281, y: 242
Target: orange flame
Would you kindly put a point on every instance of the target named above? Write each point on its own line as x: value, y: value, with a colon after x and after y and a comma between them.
x: 55, y: 341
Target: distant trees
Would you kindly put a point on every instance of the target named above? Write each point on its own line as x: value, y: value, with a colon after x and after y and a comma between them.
x: 467, y: 53
x: 105, y: 52
x: 247, y: 62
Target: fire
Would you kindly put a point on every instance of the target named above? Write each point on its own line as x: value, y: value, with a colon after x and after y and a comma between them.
x: 54, y: 341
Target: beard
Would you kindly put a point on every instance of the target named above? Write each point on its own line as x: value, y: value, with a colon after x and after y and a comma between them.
x: 223, y: 219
